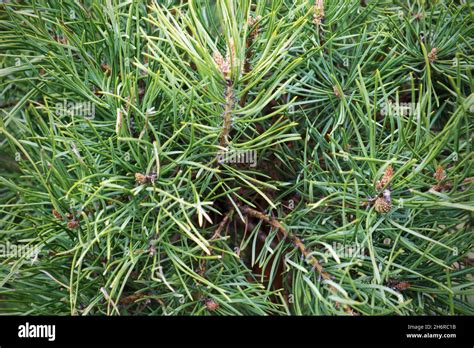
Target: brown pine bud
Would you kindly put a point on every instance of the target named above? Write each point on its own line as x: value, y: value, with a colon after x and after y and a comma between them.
x: 440, y: 174
x: 56, y: 214
x: 432, y: 55
x: 145, y: 178
x: 402, y: 286
x: 318, y: 15
x: 73, y: 224
x: 387, y: 176
x: 211, y: 305
x: 140, y: 178
x: 398, y: 285
x: 222, y: 64
x: 382, y: 205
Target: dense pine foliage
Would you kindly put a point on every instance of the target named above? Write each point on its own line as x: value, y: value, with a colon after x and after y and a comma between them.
x: 236, y: 157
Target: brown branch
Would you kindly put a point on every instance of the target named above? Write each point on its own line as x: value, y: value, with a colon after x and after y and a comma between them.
x: 299, y: 244
x: 262, y: 236
x: 254, y: 24
x: 222, y: 224
x: 224, y: 65
x: 292, y: 237
x: 227, y: 115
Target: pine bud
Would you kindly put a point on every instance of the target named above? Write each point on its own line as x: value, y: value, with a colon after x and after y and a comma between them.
x: 387, y: 176
x: 145, y: 178
x: 222, y: 64
x: 57, y: 215
x: 382, y: 206
x: 440, y: 174
x: 318, y: 15
x: 211, y: 305
x: 72, y: 224
x: 432, y: 55
x: 140, y: 178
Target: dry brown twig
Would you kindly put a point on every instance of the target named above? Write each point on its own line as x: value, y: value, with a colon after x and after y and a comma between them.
x: 225, y: 68
x: 299, y: 244
x: 293, y: 238
x: 254, y: 24
x: 222, y: 224
x: 227, y: 115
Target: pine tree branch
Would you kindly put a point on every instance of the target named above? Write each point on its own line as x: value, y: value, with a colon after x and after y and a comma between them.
x: 222, y: 224
x: 291, y: 236
x: 227, y: 114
